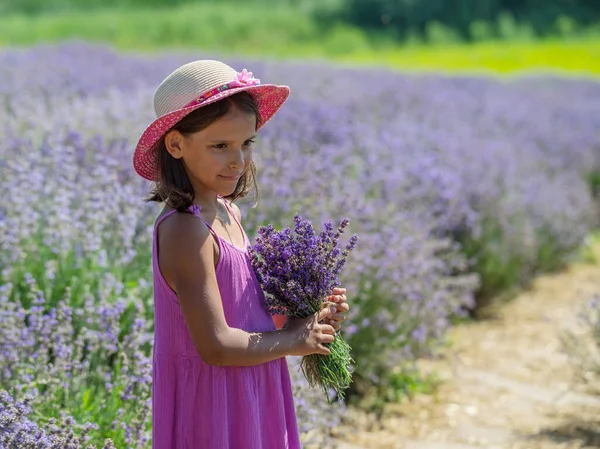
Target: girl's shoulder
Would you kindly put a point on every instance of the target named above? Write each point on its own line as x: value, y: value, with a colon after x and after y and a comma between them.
x: 178, y: 233
x: 174, y: 222
x: 166, y: 210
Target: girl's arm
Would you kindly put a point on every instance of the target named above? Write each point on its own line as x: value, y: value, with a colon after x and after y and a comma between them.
x: 187, y: 261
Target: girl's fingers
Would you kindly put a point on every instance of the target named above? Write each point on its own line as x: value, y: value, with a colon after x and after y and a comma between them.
x: 326, y: 338
x: 342, y: 307
x: 337, y: 317
x: 323, y: 350
x: 335, y: 324
x: 338, y: 294
x: 328, y: 329
x: 337, y: 298
x: 326, y: 312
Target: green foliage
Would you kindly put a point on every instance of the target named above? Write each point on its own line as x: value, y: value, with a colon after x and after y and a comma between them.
x: 489, y: 57
x: 499, y: 273
x: 594, y: 182
x: 284, y: 33
x: 430, y: 20
x: 208, y: 26
x: 504, y: 270
x: 109, y: 387
x: 503, y: 18
x: 342, y: 39
x: 406, y: 383
x: 400, y: 385
x: 588, y: 253
x: 76, y: 278
x: 90, y: 403
x: 53, y: 6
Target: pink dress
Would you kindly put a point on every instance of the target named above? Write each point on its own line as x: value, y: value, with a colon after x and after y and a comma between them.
x: 200, y: 406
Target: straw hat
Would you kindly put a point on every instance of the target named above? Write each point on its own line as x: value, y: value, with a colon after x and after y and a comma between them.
x: 192, y: 86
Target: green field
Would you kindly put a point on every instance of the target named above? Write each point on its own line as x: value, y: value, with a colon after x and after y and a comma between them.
x: 281, y: 32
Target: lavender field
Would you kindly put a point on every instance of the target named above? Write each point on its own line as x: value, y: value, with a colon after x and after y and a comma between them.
x: 459, y: 188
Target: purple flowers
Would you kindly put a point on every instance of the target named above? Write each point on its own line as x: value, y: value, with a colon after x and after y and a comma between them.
x: 297, y: 271
x: 18, y: 431
x: 422, y: 163
x: 76, y: 358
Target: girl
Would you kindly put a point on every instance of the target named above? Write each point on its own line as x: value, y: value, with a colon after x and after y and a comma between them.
x: 220, y: 378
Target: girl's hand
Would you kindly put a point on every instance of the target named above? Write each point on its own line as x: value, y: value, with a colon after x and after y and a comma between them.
x: 338, y: 296
x: 309, y: 335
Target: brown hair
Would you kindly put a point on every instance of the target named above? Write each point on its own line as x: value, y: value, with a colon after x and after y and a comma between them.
x: 174, y: 186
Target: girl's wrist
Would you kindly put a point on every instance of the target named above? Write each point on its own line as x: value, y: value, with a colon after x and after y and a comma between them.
x: 289, y: 340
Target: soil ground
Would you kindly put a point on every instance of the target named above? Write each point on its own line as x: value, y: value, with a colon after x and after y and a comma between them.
x: 507, y: 382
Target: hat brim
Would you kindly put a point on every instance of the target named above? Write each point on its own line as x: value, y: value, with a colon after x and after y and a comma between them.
x: 269, y: 98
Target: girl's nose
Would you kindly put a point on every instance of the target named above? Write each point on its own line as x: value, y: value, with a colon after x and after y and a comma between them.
x: 238, y: 159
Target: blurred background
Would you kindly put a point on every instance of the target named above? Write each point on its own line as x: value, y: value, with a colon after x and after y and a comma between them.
x: 486, y: 35
x: 463, y: 189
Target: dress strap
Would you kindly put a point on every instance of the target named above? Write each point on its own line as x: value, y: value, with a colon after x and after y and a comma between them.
x: 160, y: 220
x: 246, y: 239
x: 195, y: 209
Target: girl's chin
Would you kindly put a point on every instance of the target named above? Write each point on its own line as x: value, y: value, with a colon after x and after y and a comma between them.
x: 226, y: 192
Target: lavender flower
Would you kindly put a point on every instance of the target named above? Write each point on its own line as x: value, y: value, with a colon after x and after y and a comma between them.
x: 78, y: 359
x: 297, y: 271
x: 17, y: 431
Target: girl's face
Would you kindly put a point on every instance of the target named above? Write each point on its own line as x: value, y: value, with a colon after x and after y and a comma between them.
x: 216, y: 157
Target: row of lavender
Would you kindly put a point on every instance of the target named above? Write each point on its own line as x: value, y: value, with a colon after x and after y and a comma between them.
x: 453, y: 184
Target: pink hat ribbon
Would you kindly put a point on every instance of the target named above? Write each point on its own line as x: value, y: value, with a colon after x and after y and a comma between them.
x: 241, y: 79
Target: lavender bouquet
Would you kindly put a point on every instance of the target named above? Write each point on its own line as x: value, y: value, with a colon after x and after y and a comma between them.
x: 297, y: 271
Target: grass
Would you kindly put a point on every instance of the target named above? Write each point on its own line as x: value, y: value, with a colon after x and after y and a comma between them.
x: 206, y: 26
x: 403, y: 384
x: 578, y: 56
x: 590, y: 250
x: 248, y: 29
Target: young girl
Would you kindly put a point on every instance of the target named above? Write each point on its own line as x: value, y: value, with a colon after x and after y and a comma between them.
x: 220, y: 378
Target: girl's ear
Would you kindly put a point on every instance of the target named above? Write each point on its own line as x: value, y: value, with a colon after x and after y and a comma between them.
x: 174, y: 143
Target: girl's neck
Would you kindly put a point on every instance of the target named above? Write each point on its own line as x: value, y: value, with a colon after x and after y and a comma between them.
x: 208, y: 201
x: 204, y: 197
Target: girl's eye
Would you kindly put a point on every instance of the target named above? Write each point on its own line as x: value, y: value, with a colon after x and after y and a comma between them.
x: 222, y: 146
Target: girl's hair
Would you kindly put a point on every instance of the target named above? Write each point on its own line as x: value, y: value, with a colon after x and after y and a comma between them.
x: 174, y: 186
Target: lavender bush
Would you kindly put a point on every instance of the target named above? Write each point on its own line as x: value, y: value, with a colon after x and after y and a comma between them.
x: 452, y: 183
x: 17, y: 431
x: 96, y: 370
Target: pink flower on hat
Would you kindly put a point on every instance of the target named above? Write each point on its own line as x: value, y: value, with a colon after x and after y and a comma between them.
x: 244, y: 78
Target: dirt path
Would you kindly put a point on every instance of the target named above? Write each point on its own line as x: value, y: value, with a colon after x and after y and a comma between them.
x: 507, y: 382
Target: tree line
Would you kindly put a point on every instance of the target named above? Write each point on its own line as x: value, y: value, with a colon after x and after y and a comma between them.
x: 402, y: 17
